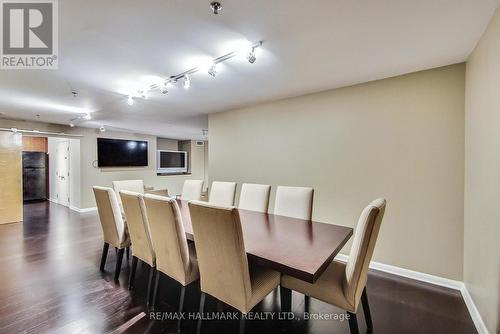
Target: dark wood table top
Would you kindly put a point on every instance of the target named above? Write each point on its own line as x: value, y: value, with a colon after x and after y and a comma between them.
x: 296, y: 247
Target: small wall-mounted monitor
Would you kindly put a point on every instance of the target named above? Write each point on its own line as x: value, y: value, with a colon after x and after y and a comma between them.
x: 121, y: 153
x: 171, y: 161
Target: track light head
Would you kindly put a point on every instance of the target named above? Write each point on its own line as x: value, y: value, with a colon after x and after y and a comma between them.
x: 213, y: 70
x: 143, y: 94
x: 187, y: 81
x: 102, y: 128
x: 216, y: 7
x: 130, y: 100
x: 87, y: 117
x: 251, y: 56
x: 71, y: 124
x: 163, y: 88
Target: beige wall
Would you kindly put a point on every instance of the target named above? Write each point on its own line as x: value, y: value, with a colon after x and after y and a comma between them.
x: 482, y: 176
x: 400, y: 138
x: 91, y: 175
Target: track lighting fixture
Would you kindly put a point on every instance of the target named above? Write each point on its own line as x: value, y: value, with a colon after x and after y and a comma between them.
x: 87, y: 117
x: 213, y: 70
x: 216, y: 7
x: 71, y: 124
x: 251, y: 56
x: 248, y: 52
x: 102, y: 128
x: 164, y: 89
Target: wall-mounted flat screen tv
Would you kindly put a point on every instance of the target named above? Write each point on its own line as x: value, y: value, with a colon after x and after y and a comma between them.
x: 121, y: 153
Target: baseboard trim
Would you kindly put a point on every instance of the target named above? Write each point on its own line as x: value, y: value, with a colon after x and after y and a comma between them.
x: 432, y: 279
x: 74, y: 208
x: 474, y: 312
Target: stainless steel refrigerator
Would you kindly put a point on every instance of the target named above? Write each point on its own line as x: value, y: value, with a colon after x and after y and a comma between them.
x: 35, y: 176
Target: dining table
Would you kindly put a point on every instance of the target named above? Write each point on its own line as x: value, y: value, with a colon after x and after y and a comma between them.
x: 295, y: 247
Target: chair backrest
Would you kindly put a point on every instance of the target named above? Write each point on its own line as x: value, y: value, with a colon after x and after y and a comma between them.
x: 222, y: 258
x: 113, y: 226
x: 222, y: 193
x: 254, y: 197
x: 138, y: 226
x: 191, y: 190
x: 295, y: 202
x: 168, y: 237
x: 365, y: 237
x: 136, y: 186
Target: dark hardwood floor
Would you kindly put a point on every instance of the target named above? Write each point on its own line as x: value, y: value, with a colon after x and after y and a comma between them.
x: 50, y: 282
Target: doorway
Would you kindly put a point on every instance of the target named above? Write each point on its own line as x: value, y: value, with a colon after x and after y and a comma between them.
x: 62, y: 173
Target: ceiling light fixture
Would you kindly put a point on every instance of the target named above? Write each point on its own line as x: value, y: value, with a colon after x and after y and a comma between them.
x: 216, y: 7
x: 130, y: 100
x: 102, y: 128
x: 211, y: 67
x: 187, y: 81
x: 213, y: 70
x: 251, y: 56
x: 87, y: 117
x: 164, y: 89
x: 71, y: 124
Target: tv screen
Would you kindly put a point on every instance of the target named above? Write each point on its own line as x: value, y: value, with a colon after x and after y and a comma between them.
x: 173, y: 159
x: 121, y: 153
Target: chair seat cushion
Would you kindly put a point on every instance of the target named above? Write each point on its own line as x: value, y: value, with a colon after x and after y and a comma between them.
x: 327, y: 288
x: 263, y: 282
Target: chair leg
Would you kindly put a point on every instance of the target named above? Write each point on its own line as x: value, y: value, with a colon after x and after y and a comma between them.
x: 181, y: 306
x: 128, y: 252
x: 150, y: 282
x: 286, y: 299
x: 353, y: 323
x: 366, y: 310
x: 104, y: 255
x: 242, y: 324
x: 200, y: 312
x: 119, y: 258
x: 155, y: 290
x: 132, y: 273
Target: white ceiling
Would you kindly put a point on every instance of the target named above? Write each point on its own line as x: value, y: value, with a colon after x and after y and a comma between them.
x: 110, y: 48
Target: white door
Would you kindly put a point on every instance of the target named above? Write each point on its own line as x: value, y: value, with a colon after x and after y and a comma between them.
x: 62, y: 173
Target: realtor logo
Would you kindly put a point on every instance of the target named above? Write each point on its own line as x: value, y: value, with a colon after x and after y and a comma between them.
x: 29, y: 34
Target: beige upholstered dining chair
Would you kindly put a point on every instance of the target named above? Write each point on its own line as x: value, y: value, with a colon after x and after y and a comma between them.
x: 224, y: 270
x: 222, y: 193
x: 140, y: 236
x: 174, y: 256
x: 344, y: 285
x: 113, y: 226
x: 136, y: 186
x: 191, y: 190
x: 295, y: 202
x: 254, y: 197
